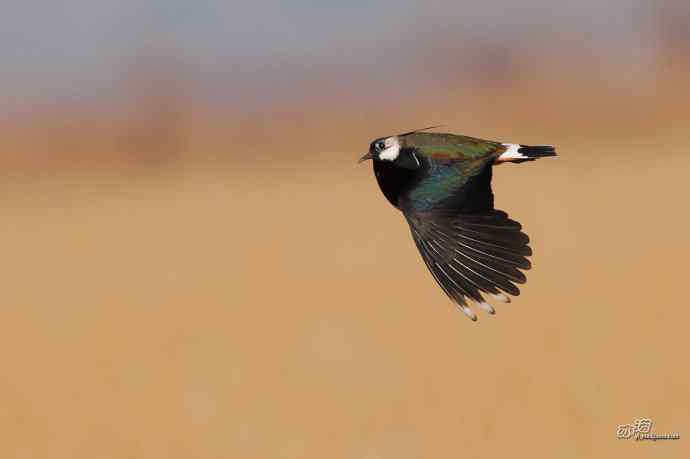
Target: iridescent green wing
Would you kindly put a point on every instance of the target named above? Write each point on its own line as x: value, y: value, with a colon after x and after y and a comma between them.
x: 471, y: 249
x: 450, y: 185
x: 451, y: 147
x: 450, y: 181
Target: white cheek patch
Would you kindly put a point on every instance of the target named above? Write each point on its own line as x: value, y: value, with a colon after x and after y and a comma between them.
x: 392, y: 150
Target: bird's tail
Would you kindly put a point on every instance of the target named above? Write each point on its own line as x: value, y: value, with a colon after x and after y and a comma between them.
x: 516, y: 153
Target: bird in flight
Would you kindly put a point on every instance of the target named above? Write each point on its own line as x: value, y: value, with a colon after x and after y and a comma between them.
x: 442, y: 184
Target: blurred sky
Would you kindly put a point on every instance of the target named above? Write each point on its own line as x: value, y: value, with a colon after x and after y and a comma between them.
x: 81, y: 50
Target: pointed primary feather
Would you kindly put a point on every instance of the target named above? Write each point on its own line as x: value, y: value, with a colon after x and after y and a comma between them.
x: 501, y: 297
x: 487, y: 308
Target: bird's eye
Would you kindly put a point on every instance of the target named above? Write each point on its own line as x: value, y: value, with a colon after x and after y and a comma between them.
x: 381, y: 146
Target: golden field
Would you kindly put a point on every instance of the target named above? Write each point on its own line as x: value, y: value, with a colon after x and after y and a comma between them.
x: 240, y: 288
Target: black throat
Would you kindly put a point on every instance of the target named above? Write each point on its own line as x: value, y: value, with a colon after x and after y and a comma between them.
x: 393, y: 180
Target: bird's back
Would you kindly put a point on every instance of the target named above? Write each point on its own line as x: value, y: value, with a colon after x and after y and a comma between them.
x: 451, y: 147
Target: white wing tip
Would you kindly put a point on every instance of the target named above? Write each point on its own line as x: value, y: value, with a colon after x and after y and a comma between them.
x: 501, y: 297
x: 487, y: 307
x: 469, y: 313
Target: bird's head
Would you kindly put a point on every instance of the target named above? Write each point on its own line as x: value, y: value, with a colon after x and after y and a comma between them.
x: 391, y: 151
x: 396, y: 150
x: 383, y: 149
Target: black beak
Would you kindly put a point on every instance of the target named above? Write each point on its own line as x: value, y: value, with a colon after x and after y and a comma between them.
x: 365, y: 157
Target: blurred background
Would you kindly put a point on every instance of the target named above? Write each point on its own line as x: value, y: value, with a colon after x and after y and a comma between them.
x: 194, y: 264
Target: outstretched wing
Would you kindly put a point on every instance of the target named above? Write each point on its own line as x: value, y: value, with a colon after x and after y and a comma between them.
x: 470, y: 248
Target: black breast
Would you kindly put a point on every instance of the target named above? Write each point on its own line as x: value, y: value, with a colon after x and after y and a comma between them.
x: 393, y: 180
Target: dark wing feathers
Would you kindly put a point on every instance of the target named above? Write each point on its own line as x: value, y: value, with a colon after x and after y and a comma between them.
x: 468, y: 263
x: 470, y: 248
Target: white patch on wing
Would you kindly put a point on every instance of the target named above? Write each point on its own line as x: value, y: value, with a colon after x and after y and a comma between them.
x: 486, y: 307
x: 392, y: 149
x: 501, y: 297
x: 468, y: 312
x: 511, y: 152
